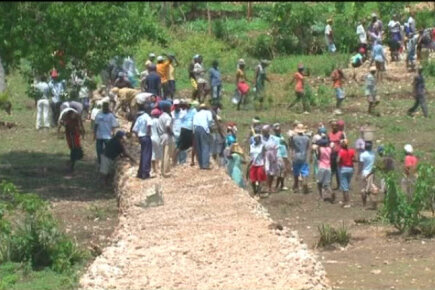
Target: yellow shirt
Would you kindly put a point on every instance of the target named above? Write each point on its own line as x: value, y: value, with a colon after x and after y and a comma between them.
x: 163, y: 71
x: 171, y: 72
x: 127, y: 94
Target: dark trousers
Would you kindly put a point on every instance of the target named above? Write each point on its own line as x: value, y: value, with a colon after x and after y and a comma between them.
x: 334, y: 168
x: 419, y: 101
x: 171, y: 89
x: 55, y: 108
x: 146, y: 150
x: 165, y: 90
x: 100, y: 146
x: 202, y: 147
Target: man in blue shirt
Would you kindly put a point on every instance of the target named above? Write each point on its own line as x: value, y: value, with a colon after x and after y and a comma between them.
x: 419, y: 90
x: 185, y: 141
x: 142, y: 129
x: 153, y: 82
x: 367, y: 158
x: 105, y: 122
x: 215, y: 83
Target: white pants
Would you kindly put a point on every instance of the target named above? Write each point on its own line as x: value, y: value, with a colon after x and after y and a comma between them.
x: 43, y: 114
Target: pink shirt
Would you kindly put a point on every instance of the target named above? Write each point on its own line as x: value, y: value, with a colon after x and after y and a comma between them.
x: 411, y: 161
x: 325, y: 157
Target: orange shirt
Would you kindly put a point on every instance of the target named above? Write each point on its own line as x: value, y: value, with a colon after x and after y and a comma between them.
x: 163, y: 71
x: 337, y: 79
x: 299, y: 78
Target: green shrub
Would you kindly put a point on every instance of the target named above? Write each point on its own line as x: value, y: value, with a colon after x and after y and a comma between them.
x: 330, y: 236
x: 429, y: 68
x: 262, y: 47
x: 427, y: 228
x: 29, y: 232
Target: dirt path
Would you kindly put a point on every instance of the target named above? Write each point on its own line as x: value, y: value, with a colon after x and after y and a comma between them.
x: 208, y: 234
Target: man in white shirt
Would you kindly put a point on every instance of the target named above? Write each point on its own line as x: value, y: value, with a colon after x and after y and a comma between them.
x: 43, y: 113
x: 329, y: 36
x: 142, y: 129
x: 105, y: 123
x: 202, y: 122
x: 411, y: 22
x: 362, y: 35
x: 199, y: 73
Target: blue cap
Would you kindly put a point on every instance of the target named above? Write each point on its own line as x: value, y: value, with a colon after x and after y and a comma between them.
x: 322, y: 130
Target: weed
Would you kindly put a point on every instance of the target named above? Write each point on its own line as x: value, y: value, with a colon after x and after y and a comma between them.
x: 427, y: 228
x: 330, y: 236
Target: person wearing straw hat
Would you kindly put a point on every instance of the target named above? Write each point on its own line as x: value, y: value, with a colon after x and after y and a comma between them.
x: 255, y: 169
x: 260, y: 81
x: 235, y: 160
x: 370, y: 91
x: 202, y: 123
x: 242, y: 88
x: 298, y: 79
x: 300, y: 144
x: 329, y: 36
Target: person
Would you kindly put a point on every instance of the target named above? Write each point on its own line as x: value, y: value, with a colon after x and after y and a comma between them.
x: 367, y: 159
x: 199, y: 72
x: 152, y: 83
x: 163, y: 71
x: 323, y: 176
x: 299, y: 79
x: 105, y: 123
x: 171, y: 76
x: 57, y: 89
x: 337, y: 76
x: 410, y: 164
x: 335, y: 137
x: 242, y: 88
x: 300, y: 144
x: 202, y: 122
x: 395, y: 38
x: 122, y: 81
x: 259, y: 81
x: 256, y: 126
x: 375, y: 29
x: 362, y: 36
x: 185, y: 141
x: 176, y: 115
x: 282, y: 155
x: 412, y: 49
x: 321, y: 132
x: 217, y: 136
x: 370, y: 91
x: 384, y: 165
x: 378, y: 56
x: 271, y: 156
x: 43, y: 113
x: 357, y: 60
x: 164, y: 129
x: 125, y: 98
x: 150, y: 60
x: 72, y: 121
x: 156, y: 156
x: 411, y: 23
x: 346, y: 158
x: 231, y: 136
x: 139, y: 100
x: 329, y: 36
x: 129, y: 67
x: 84, y: 96
x: 255, y: 170
x: 215, y: 83
x: 114, y: 148
x: 360, y: 145
x: 142, y: 129
x: 419, y: 94
x: 236, y: 159
x: 192, y: 77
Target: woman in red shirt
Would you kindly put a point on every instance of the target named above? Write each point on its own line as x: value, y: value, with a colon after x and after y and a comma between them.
x: 346, y: 158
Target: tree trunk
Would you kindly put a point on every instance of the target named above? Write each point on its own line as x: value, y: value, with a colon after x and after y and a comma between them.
x: 209, y: 20
x: 2, y: 77
x: 249, y: 16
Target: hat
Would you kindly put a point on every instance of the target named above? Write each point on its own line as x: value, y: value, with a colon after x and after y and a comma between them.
x: 256, y: 120
x: 340, y: 123
x: 114, y: 90
x: 120, y: 134
x: 195, y: 103
x: 196, y: 56
x: 218, y: 118
x: 329, y: 20
x: 151, y: 55
x: 372, y: 68
x: 301, y: 66
x: 156, y: 112
x: 362, y: 50
x: 380, y: 149
x: 159, y: 58
x: 296, y: 122
x: 236, y: 148
x: 241, y: 61
x: 54, y: 73
x: 300, y: 128
x: 276, y: 125
x: 374, y: 15
x: 176, y: 102
x: 202, y: 106
x: 344, y: 142
x: 408, y: 148
x: 322, y: 130
x: 265, y: 61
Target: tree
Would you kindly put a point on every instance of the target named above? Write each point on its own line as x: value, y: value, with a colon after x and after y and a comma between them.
x: 87, y: 33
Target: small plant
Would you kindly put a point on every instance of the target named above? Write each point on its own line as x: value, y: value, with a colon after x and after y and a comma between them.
x: 427, y: 228
x: 330, y: 236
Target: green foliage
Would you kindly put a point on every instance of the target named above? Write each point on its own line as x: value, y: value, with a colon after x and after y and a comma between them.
x: 427, y: 227
x: 403, y: 210
x: 329, y: 235
x: 262, y: 47
x: 28, y: 232
x: 429, y: 68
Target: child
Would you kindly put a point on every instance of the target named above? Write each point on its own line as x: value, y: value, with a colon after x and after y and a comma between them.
x: 370, y: 91
x: 367, y: 158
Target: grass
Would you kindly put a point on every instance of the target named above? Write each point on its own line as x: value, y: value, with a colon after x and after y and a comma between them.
x: 329, y: 236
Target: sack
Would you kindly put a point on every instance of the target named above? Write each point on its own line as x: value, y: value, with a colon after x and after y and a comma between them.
x: 243, y: 88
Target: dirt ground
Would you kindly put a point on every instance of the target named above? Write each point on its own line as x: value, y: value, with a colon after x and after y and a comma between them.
x: 376, y: 258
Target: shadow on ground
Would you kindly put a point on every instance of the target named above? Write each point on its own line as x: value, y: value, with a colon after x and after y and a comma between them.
x: 46, y: 175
